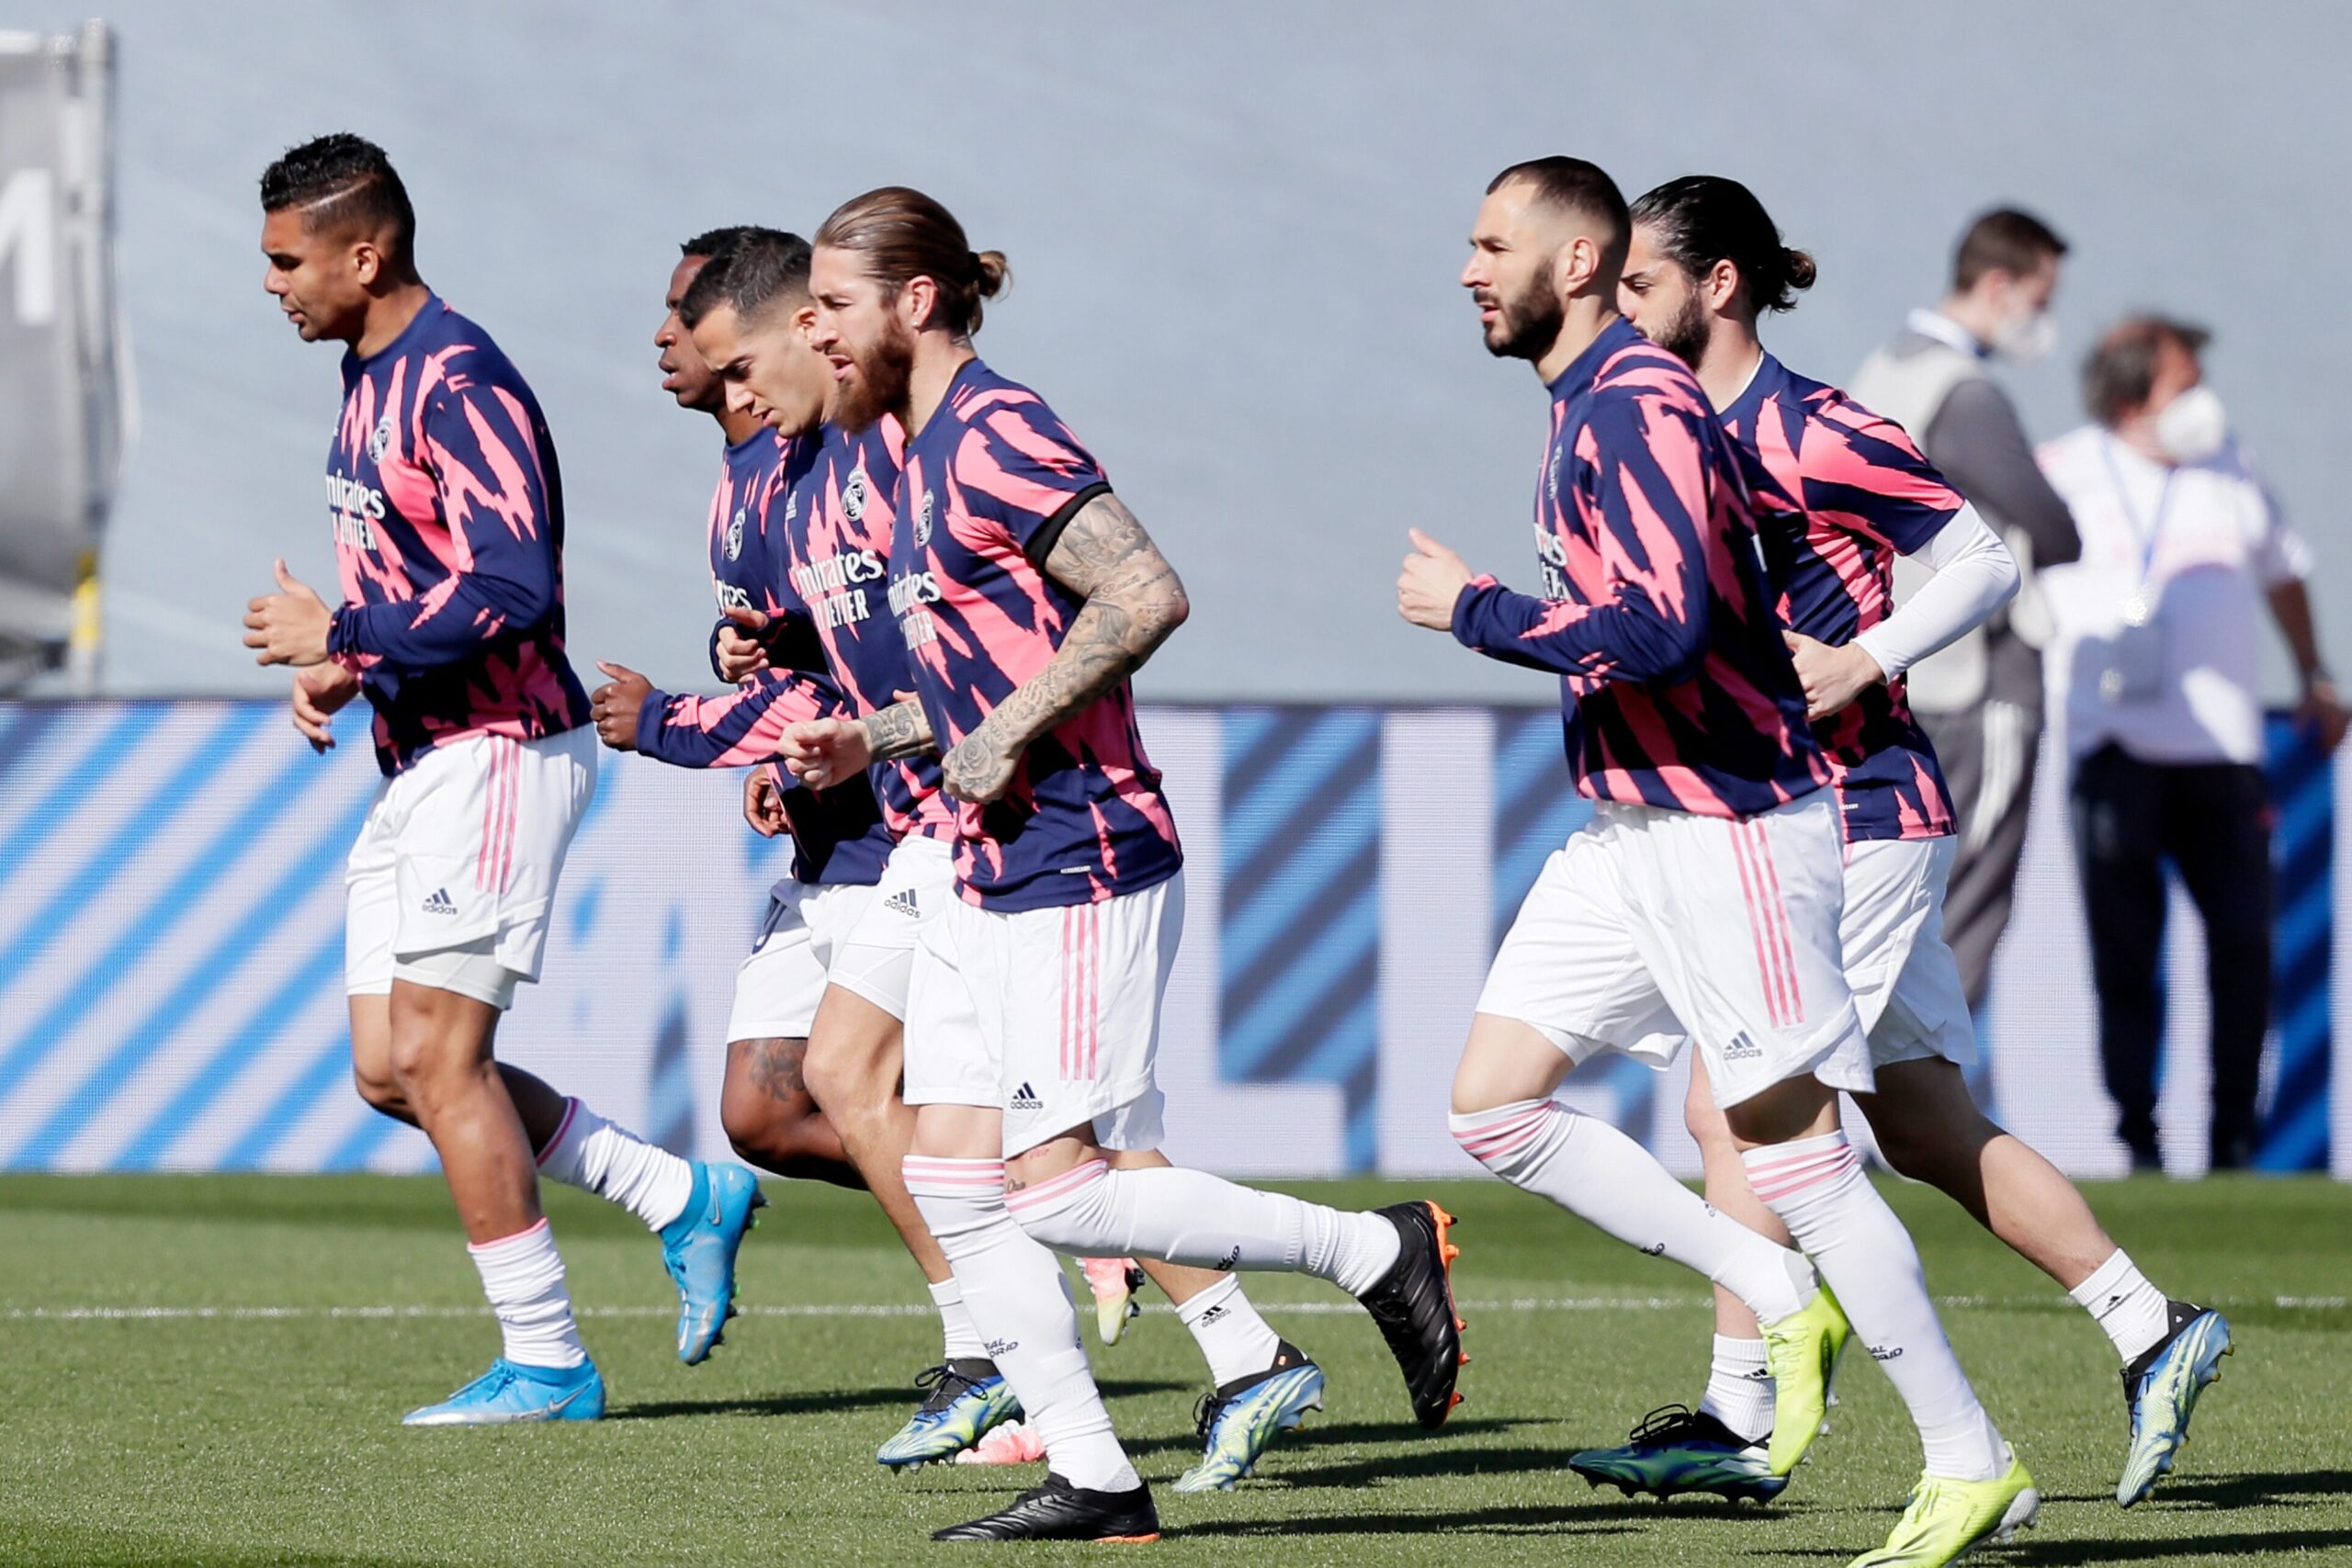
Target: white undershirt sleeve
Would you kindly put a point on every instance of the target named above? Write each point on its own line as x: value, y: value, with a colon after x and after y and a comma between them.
x: 1974, y: 576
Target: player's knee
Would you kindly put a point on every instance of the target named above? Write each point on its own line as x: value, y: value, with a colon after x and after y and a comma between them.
x: 377, y: 1086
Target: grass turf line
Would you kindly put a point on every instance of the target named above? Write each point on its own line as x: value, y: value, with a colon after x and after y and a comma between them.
x: 257, y: 1442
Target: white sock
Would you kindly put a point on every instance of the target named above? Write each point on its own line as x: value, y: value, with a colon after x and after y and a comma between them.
x: 1817, y: 1187
x: 1229, y: 1332
x: 1020, y: 1301
x: 2133, y: 1312
x: 1739, y: 1388
x: 1599, y: 1174
x: 1192, y: 1217
x: 614, y: 1163
x: 963, y: 1339
x: 523, y: 1277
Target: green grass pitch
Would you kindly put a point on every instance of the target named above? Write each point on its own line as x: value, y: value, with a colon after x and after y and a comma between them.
x: 266, y: 1434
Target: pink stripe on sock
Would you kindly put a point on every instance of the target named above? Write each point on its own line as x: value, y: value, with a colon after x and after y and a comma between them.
x: 959, y: 1176
x: 502, y: 1241
x: 1069, y: 1181
x: 570, y: 1109
x: 1798, y: 1179
x: 1505, y: 1136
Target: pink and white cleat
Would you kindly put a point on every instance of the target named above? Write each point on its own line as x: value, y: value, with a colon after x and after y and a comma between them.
x: 1116, y: 1282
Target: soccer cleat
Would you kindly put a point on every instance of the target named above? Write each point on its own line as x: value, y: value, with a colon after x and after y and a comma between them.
x: 1803, y: 1350
x: 511, y: 1392
x: 1241, y: 1420
x: 1058, y: 1511
x: 2160, y: 1389
x: 1413, y: 1303
x: 1678, y: 1450
x: 964, y: 1398
x: 699, y: 1248
x: 1949, y: 1519
x: 1116, y: 1282
x: 1015, y: 1442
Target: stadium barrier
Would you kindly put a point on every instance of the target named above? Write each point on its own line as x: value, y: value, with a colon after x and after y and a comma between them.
x: 171, y: 947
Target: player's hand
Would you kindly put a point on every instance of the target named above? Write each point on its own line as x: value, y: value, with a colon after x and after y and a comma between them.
x: 1832, y: 677
x: 1430, y: 584
x: 321, y: 691
x: 290, y: 626
x: 764, y: 802
x: 741, y: 651
x: 980, y: 769
x: 821, y: 752
x: 615, y: 706
x: 2322, y: 713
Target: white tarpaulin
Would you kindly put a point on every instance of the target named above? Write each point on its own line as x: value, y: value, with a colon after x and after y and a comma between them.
x: 63, y: 394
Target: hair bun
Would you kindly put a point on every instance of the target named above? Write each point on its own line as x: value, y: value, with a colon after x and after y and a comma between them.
x: 990, y: 267
x: 1800, y: 268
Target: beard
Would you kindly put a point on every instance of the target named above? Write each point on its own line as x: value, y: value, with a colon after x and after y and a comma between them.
x: 1684, y: 333
x: 1525, y: 327
x: 879, y: 386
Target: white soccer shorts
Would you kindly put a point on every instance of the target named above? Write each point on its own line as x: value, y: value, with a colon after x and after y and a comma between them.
x: 1905, y: 981
x: 1050, y: 1015
x: 452, y: 880
x: 875, y: 956
x: 1650, y: 927
x: 782, y: 979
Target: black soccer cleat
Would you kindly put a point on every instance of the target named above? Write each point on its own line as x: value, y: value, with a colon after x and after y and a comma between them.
x: 1413, y: 1303
x: 1058, y: 1511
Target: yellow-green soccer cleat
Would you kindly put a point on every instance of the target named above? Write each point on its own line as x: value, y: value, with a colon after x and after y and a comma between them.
x: 1116, y: 1282
x: 2160, y: 1389
x: 1949, y: 1519
x: 1803, y: 1351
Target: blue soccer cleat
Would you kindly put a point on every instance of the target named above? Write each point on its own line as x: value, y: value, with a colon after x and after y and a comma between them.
x: 2160, y: 1391
x: 965, y: 1398
x: 511, y: 1392
x: 1241, y: 1420
x: 1679, y: 1449
x: 699, y: 1248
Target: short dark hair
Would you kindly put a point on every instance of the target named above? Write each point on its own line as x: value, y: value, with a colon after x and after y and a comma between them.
x: 342, y: 181
x: 2121, y: 371
x: 758, y: 267
x: 1572, y: 185
x: 716, y: 242
x: 2004, y: 240
x: 1701, y: 220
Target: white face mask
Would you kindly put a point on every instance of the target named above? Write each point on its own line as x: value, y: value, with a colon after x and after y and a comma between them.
x: 2193, y: 426
x: 2026, y: 338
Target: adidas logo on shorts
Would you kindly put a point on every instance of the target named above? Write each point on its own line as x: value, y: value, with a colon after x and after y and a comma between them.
x: 1742, y: 1049
x: 440, y: 903
x: 904, y: 902
x: 1026, y: 1099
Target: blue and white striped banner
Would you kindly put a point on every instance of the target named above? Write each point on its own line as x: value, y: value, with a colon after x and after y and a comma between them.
x: 171, y: 947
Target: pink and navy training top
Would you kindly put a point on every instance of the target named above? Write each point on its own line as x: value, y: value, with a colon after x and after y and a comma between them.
x: 838, y: 835
x: 989, y: 483
x: 1839, y: 493
x: 834, y: 543
x: 1655, y: 612
x: 448, y: 529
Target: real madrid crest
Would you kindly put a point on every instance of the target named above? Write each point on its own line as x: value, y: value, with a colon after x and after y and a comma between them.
x: 735, y: 536
x: 854, y: 494
x: 923, y: 521
x: 380, y: 440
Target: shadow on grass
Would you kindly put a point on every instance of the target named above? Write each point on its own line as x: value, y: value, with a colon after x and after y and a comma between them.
x: 822, y: 1402
x: 1531, y: 1519
x: 1318, y: 1435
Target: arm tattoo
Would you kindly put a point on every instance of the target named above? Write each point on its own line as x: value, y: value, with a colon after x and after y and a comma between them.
x: 899, y: 731
x: 1134, y: 600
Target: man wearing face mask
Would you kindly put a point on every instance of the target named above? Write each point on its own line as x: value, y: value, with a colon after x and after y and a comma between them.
x: 2155, y: 662
x: 1980, y: 699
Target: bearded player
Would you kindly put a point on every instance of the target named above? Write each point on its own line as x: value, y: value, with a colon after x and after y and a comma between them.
x: 1840, y: 493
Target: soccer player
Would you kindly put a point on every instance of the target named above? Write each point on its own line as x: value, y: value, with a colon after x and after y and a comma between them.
x: 1840, y: 493
x: 750, y: 315
x: 1703, y: 899
x: 1028, y: 594
x: 448, y: 523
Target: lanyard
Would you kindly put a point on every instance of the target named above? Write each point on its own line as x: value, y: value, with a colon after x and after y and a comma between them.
x: 2155, y: 532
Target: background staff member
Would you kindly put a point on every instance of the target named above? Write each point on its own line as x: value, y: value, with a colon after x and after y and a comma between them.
x: 2156, y: 670
x: 1980, y: 700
